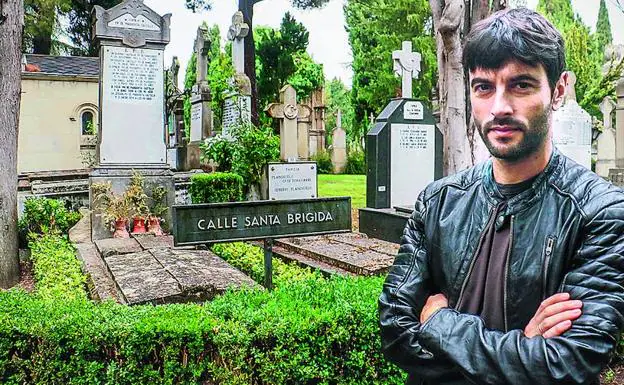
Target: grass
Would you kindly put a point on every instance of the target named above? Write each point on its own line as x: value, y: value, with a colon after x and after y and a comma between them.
x: 353, y: 186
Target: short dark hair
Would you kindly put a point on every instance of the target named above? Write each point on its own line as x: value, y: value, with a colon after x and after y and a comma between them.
x: 520, y: 34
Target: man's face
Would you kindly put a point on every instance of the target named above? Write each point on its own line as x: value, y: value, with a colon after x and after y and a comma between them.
x: 512, y: 108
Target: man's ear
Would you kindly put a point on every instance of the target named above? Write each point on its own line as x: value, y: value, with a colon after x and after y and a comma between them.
x: 560, y: 89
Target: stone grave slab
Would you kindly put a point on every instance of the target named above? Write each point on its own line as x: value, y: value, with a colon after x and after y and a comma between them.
x: 142, y: 279
x: 149, y: 241
x: 351, y: 252
x: 201, y: 273
x: 113, y: 246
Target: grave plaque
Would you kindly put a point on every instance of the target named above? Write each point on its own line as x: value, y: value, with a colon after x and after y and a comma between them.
x: 236, y: 111
x: 131, y: 106
x: 130, y: 22
x: 292, y: 180
x: 223, y: 222
x: 196, y: 122
x: 410, y: 145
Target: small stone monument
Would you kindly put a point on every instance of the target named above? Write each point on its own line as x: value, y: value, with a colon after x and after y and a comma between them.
x: 606, y: 140
x: 132, y: 38
x: 572, y: 128
x: 616, y: 175
x: 293, y: 137
x: 404, y: 135
x: 237, y: 106
x: 339, y: 146
x: 201, y: 113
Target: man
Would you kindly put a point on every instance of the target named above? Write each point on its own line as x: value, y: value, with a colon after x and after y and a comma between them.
x: 510, y: 272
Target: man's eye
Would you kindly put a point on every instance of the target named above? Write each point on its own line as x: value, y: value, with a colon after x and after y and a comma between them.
x: 482, y: 87
x: 523, y: 85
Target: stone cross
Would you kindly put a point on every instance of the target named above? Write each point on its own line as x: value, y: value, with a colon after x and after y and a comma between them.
x: 175, y: 70
x: 407, y: 66
x: 202, y: 46
x: 288, y: 111
x: 237, y: 32
x: 606, y: 107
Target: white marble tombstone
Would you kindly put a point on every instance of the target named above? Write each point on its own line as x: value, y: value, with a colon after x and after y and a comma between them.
x: 606, y: 140
x: 339, y: 146
x: 572, y: 128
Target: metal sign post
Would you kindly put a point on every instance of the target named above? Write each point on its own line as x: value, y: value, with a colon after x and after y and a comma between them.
x: 268, y: 263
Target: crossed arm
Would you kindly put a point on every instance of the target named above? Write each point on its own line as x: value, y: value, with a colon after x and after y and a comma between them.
x: 550, y: 350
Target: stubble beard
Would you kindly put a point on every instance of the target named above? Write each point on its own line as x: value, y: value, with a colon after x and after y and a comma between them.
x: 533, y: 139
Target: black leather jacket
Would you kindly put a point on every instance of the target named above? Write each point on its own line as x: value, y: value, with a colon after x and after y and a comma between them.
x: 567, y: 235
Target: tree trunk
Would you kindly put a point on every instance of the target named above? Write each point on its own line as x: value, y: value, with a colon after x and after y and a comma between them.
x: 11, y: 23
x: 448, y: 20
x: 246, y: 7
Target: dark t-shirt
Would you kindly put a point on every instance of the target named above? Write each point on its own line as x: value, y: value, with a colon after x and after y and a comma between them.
x: 485, y: 288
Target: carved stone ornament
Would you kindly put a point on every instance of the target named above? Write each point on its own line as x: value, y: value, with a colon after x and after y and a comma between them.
x: 239, y: 29
x: 291, y: 111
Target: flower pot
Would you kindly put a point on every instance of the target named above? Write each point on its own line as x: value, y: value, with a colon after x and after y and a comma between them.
x: 138, y: 226
x: 120, y: 229
x: 154, y: 226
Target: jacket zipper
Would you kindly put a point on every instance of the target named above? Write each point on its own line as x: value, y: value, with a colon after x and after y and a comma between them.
x: 511, y: 227
x: 547, y: 254
x: 474, y: 256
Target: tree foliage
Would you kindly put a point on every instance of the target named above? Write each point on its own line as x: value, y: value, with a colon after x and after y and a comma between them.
x: 376, y: 28
x: 41, y: 24
x: 281, y: 58
x: 79, y: 29
x: 604, y: 36
x: 584, y: 53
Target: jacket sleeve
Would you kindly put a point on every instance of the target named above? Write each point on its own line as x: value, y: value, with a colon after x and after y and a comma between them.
x: 595, y: 276
x: 405, y: 291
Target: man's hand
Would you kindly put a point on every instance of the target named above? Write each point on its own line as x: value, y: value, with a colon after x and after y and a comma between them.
x: 554, y: 316
x: 433, y: 303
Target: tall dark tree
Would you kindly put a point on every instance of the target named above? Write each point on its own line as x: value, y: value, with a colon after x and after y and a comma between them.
x: 40, y: 21
x: 79, y: 29
x: 246, y: 7
x: 11, y: 23
x: 275, y: 52
x: 604, y: 36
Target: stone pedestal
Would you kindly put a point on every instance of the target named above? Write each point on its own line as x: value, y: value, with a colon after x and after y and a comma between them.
x: 120, y: 179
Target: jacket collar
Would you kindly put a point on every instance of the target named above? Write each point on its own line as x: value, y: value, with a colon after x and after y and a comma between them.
x: 527, y: 197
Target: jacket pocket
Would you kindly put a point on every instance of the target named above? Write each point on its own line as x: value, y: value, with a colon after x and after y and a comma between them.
x: 548, y: 250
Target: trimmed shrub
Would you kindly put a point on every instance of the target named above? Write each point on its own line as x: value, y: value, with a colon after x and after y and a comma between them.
x: 216, y: 187
x: 356, y: 163
x: 323, y: 162
x: 250, y: 260
x: 45, y: 216
x: 57, y: 271
x: 310, y: 332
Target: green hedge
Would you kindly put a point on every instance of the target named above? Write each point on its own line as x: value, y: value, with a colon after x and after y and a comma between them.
x: 216, y: 187
x: 323, y: 162
x: 356, y: 163
x: 309, y: 332
x: 57, y: 272
x: 250, y: 260
x: 45, y: 216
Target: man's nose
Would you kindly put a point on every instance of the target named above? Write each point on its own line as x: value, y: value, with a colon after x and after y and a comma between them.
x: 502, y: 105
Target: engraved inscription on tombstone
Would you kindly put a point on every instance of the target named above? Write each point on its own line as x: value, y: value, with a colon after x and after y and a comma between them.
x: 292, y: 180
x: 130, y: 22
x: 132, y: 105
x: 196, y: 122
x: 411, y: 144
